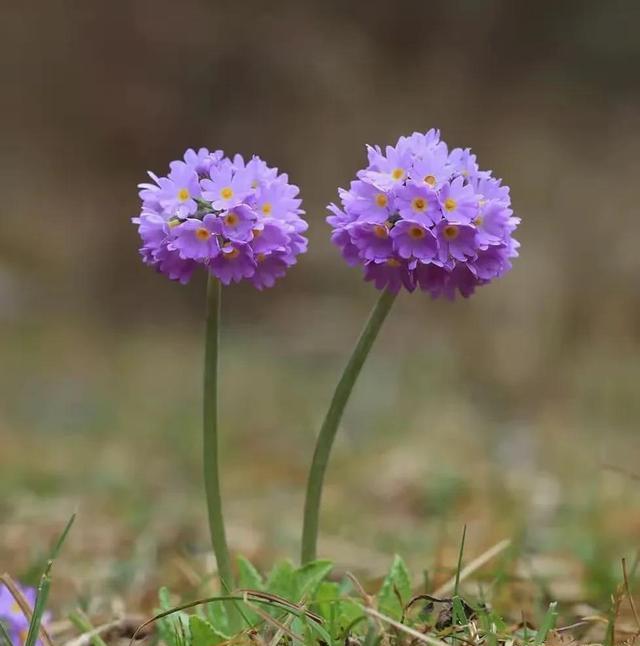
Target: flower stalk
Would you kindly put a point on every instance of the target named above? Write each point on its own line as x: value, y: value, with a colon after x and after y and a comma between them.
x: 210, y: 442
x: 331, y: 422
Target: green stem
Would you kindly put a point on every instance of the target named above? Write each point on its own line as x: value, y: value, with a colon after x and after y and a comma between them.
x: 332, y: 420
x: 210, y: 444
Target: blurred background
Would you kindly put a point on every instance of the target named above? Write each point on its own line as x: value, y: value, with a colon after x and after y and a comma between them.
x: 515, y: 412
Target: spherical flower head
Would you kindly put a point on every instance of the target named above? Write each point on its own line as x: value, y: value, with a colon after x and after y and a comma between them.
x: 236, y: 219
x: 422, y: 216
x: 12, y: 617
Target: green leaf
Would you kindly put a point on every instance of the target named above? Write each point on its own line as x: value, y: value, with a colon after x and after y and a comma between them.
x: 396, y: 584
x: 326, y: 601
x: 309, y: 577
x: 248, y: 576
x: 281, y: 580
x: 203, y: 633
x: 173, y: 629
x: 164, y: 597
x: 459, y: 615
x: 336, y: 609
x: 217, y: 616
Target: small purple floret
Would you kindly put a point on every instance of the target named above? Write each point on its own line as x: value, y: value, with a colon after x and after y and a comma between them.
x: 422, y: 216
x: 12, y: 617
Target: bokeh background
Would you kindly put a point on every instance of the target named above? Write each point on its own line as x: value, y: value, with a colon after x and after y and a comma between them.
x: 515, y: 412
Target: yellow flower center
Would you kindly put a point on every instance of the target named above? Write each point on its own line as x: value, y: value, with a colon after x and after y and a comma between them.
x: 419, y: 204
x: 380, y: 231
x: 232, y: 255
x: 392, y: 262
x: 451, y: 232
x: 397, y: 173
x: 202, y: 233
x: 450, y: 204
x: 257, y: 233
x: 478, y: 221
x: 15, y: 608
x: 231, y: 219
x: 226, y: 193
x: 183, y: 194
x: 260, y: 257
x: 382, y: 200
x: 430, y: 179
x: 266, y: 208
x: 417, y: 233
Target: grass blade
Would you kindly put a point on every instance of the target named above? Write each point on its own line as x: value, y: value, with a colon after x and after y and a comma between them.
x: 548, y: 623
x: 44, y: 587
x: 459, y: 568
x: 82, y: 623
x: 476, y: 564
x: 4, y: 636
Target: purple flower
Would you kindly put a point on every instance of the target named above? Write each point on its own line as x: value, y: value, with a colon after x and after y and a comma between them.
x: 153, y: 230
x: 196, y: 239
x: 274, y: 200
x: 419, y: 203
x: 13, y: 618
x: 432, y: 169
x: 464, y: 163
x: 462, y: 280
x: 269, y: 268
x: 169, y: 263
x: 390, y: 274
x: 369, y: 202
x: 414, y: 240
x: 229, y: 214
x: 459, y: 201
x: 387, y: 171
x: 179, y: 190
x: 236, y: 224
x: 202, y: 160
x: 226, y: 188
x: 174, y: 194
x: 233, y: 263
x: 373, y: 240
x: 491, y: 188
x: 269, y: 236
x: 431, y: 278
x: 257, y: 171
x: 419, y: 215
x: 456, y: 241
x: 491, y: 262
x: 492, y: 223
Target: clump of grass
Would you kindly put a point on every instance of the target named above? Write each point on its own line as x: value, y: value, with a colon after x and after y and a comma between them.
x: 312, y: 604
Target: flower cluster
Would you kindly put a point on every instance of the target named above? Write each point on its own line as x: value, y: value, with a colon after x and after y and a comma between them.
x: 238, y: 219
x: 420, y: 215
x: 12, y: 617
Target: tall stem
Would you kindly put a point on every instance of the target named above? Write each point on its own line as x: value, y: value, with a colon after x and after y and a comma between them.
x: 210, y: 443
x: 332, y: 420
